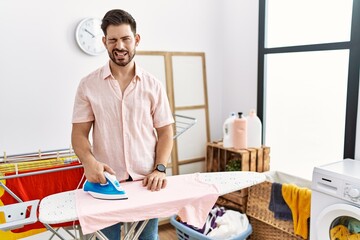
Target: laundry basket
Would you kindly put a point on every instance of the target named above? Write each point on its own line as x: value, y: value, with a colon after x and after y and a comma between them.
x: 265, y: 225
x: 185, y: 233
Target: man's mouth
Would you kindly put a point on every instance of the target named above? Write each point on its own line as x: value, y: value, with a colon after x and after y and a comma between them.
x: 120, y: 53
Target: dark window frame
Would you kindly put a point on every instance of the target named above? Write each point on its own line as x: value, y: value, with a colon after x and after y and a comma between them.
x: 353, y: 72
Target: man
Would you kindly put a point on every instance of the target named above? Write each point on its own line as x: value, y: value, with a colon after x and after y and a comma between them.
x: 129, y: 113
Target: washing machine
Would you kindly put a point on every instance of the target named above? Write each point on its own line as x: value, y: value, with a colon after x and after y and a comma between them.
x: 335, y: 201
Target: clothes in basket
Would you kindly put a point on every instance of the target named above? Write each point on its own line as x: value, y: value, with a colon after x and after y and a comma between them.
x: 220, y: 224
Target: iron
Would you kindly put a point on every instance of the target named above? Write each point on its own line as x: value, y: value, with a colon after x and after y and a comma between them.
x: 111, y: 190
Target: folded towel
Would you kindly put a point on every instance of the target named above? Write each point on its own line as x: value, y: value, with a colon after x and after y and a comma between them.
x: 277, y: 203
x: 299, y: 200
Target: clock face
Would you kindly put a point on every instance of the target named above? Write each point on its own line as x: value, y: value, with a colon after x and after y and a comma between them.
x: 89, y: 36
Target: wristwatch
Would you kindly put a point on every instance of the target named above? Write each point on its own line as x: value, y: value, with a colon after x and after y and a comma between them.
x: 160, y: 168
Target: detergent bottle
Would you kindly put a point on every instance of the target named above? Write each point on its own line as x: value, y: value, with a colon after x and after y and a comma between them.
x: 254, y: 128
x: 240, y: 132
x: 228, y: 130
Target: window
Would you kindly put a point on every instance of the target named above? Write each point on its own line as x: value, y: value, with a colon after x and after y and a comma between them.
x: 308, y: 81
x: 293, y: 23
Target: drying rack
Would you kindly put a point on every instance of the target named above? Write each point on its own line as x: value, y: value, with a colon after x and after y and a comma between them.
x: 29, y: 164
x: 61, y: 160
x: 182, y: 124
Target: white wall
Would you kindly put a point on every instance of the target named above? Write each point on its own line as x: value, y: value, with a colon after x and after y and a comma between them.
x: 41, y: 63
x: 240, y: 56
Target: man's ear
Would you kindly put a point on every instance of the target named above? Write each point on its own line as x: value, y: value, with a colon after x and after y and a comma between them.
x: 137, y: 39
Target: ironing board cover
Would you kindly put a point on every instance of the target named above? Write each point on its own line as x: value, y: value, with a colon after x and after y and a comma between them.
x: 190, y: 196
x: 184, y: 195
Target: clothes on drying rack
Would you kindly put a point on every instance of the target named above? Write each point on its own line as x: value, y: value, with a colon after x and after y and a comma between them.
x: 39, y: 186
x: 14, y: 166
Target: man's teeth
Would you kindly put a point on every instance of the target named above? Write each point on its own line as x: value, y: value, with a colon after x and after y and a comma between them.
x: 120, y: 54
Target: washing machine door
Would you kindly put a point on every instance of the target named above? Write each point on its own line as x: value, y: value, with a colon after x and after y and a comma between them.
x: 338, y: 221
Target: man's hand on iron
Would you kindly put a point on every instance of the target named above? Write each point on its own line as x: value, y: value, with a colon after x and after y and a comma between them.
x: 94, y: 171
x: 155, y: 181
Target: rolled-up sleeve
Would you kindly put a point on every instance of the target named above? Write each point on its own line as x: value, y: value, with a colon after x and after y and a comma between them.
x: 162, y: 113
x: 82, y: 111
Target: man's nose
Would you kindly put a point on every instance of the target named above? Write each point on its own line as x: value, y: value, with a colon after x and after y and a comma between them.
x: 120, y: 45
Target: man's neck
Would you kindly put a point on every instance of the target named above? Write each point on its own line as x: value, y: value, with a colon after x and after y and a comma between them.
x: 122, y: 72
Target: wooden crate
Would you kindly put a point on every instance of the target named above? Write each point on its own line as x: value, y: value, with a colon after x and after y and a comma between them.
x: 251, y: 159
x: 235, y: 200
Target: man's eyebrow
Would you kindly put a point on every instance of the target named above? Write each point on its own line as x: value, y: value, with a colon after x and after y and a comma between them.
x: 114, y: 38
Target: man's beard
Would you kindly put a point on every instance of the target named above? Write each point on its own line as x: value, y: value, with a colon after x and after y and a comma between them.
x: 122, y: 63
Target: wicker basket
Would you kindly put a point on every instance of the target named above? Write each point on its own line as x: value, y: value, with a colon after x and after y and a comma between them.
x: 265, y: 226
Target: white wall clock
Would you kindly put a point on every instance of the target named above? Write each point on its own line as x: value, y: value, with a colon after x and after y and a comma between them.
x: 89, y: 36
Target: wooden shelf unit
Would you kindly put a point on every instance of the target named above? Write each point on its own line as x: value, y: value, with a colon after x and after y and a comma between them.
x: 252, y: 159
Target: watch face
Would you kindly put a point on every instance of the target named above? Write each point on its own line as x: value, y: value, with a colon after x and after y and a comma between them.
x: 89, y: 36
x: 160, y: 168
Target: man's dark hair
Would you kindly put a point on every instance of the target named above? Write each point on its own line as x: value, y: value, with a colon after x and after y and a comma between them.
x: 117, y: 17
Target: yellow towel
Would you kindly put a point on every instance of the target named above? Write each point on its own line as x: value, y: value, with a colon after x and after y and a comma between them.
x: 339, y: 232
x: 298, y: 199
x: 355, y: 236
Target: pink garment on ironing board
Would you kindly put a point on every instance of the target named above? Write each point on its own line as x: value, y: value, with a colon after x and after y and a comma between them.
x: 184, y: 195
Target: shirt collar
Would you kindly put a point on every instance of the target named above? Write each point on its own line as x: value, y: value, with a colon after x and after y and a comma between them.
x: 106, y: 72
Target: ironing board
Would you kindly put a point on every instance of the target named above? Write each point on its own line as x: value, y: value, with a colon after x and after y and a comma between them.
x: 61, y: 207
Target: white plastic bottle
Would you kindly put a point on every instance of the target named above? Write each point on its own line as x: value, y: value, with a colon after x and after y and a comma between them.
x: 240, y: 132
x: 228, y: 130
x: 254, y: 130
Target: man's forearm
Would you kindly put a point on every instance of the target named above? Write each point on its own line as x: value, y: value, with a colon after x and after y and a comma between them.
x: 164, y: 145
x: 82, y: 149
x: 80, y: 141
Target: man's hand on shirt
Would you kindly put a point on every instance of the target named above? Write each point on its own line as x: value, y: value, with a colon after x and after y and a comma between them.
x: 155, y: 181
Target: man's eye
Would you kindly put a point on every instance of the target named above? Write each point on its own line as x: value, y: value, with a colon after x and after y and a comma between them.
x: 111, y: 41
